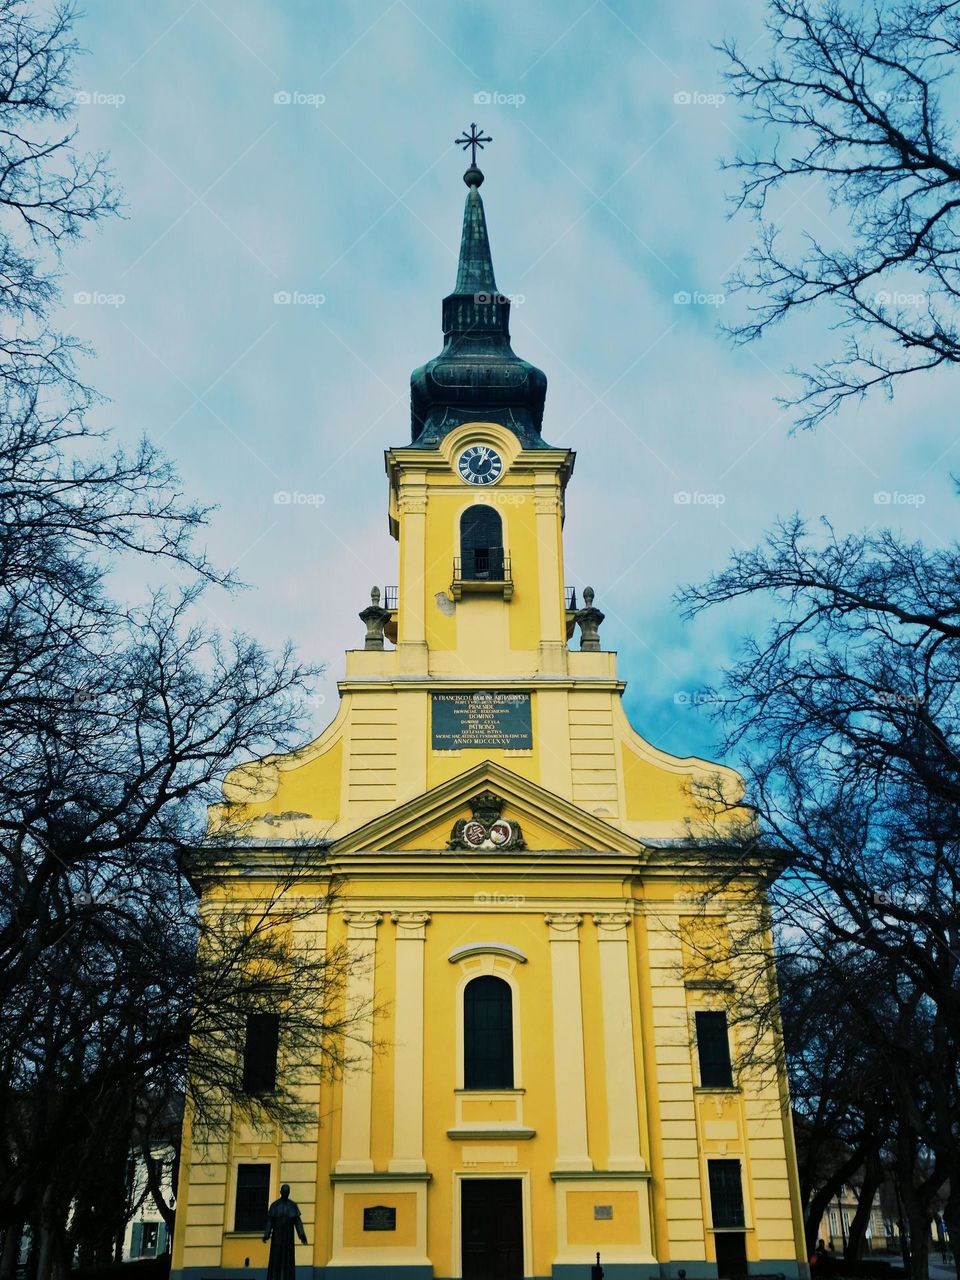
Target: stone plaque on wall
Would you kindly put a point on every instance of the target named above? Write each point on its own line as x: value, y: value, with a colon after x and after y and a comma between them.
x: 603, y: 1212
x: 481, y: 719
x: 380, y: 1217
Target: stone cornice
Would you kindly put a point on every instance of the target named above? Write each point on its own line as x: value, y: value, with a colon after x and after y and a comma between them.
x: 255, y: 861
x: 439, y: 684
x: 384, y: 1176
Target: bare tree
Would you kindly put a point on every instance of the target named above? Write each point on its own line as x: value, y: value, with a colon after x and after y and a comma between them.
x: 861, y: 100
x: 117, y: 721
x: 847, y: 712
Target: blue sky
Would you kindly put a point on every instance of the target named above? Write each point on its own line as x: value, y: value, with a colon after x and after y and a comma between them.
x: 306, y: 148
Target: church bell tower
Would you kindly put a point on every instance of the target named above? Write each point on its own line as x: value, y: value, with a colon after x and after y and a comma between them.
x: 476, y: 497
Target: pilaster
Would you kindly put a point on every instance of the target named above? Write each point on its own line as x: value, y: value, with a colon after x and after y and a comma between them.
x: 546, y: 506
x: 618, y: 1040
x: 358, y: 1079
x: 408, y: 1050
x: 411, y: 638
x: 568, y: 1063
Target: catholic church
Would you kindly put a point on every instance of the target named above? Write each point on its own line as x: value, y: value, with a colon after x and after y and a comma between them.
x: 551, y: 1069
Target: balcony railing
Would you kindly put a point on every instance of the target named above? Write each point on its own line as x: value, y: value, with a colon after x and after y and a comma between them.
x: 482, y: 569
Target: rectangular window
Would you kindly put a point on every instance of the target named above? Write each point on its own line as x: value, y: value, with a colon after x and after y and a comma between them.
x: 253, y: 1197
x: 726, y: 1193
x: 260, y: 1052
x: 713, y: 1049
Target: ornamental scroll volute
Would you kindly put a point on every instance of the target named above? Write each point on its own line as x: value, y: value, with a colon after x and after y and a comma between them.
x: 487, y: 829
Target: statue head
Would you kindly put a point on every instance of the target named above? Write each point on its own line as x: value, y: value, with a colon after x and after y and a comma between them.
x: 285, y: 1191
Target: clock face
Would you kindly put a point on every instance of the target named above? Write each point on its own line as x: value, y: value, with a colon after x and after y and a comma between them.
x: 479, y: 464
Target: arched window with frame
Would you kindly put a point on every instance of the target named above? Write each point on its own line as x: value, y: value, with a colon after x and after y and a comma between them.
x: 487, y: 1034
x: 481, y: 544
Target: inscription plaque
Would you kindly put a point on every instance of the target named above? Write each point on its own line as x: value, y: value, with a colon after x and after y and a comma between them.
x: 380, y: 1217
x: 603, y: 1212
x: 481, y: 719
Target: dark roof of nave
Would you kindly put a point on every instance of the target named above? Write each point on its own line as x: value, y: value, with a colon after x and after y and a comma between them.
x: 477, y: 376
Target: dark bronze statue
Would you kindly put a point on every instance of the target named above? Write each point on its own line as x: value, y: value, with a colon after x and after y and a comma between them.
x: 283, y: 1218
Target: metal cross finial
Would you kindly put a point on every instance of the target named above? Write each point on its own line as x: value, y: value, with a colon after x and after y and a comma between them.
x: 473, y: 139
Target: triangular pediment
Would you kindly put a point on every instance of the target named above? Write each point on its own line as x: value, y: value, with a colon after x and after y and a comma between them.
x: 545, y: 821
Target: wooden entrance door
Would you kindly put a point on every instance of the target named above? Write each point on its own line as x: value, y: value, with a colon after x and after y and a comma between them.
x: 731, y: 1254
x: 491, y: 1226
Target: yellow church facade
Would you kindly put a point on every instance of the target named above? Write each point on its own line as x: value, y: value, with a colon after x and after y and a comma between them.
x: 552, y: 1072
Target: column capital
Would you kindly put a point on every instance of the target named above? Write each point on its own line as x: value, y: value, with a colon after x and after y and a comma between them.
x: 564, y: 926
x: 612, y: 925
x: 362, y: 924
x: 411, y: 925
x: 413, y: 499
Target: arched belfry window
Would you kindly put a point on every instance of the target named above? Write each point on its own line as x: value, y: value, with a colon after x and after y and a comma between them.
x: 481, y: 544
x: 487, y: 1034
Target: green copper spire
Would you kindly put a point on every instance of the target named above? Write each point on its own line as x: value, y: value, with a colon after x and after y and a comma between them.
x: 475, y: 270
x: 477, y: 377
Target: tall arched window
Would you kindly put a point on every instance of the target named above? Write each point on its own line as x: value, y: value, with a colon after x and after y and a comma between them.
x: 481, y: 544
x: 487, y: 1034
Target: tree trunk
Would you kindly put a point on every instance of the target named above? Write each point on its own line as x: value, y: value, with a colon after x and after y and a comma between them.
x: 902, y: 1223
x: 823, y: 1195
x: 10, y: 1255
x: 53, y: 1256
x: 918, y: 1227
x: 154, y: 1170
x: 951, y: 1219
x: 872, y: 1175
